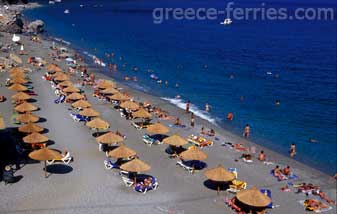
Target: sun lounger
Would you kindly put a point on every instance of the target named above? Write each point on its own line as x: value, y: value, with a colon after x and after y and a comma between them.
x: 65, y: 159
x: 199, y: 141
x: 234, y: 171
x: 141, y: 125
x: 110, y: 165
x: 143, y: 189
x: 267, y: 192
x: 60, y: 99
x: 150, y: 141
x: 126, y: 179
x: 236, y: 186
x: 79, y: 118
x: 186, y: 167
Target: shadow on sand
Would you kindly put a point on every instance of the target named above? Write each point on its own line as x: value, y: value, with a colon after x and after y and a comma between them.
x: 59, y: 169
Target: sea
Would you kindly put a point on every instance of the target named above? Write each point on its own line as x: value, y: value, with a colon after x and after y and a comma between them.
x: 246, y: 67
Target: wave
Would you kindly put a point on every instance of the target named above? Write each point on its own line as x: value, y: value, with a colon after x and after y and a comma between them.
x: 180, y: 103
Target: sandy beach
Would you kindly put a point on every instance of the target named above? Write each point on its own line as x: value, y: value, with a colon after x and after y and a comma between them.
x: 85, y: 186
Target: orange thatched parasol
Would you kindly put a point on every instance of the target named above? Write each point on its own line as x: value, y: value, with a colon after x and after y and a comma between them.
x: 109, y: 138
x: 157, y: 128
x: 193, y: 153
x: 175, y: 140
x: 18, y: 87
x: 122, y: 152
x: 89, y: 112
x: 25, y: 107
x: 129, y: 105
x: 81, y: 104
x: 27, y: 118
x: 30, y: 128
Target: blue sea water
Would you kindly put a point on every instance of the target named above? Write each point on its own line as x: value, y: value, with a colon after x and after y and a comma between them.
x: 201, y: 55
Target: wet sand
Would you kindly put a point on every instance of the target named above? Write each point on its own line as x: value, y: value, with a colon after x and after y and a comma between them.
x: 87, y: 187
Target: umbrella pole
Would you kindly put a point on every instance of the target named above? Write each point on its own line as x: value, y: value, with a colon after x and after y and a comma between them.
x: 218, y: 190
x: 45, y: 169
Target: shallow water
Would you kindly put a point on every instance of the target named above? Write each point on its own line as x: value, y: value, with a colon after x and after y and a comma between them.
x: 201, y: 55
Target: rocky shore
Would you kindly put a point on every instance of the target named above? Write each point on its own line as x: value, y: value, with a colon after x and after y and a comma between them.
x: 11, y: 19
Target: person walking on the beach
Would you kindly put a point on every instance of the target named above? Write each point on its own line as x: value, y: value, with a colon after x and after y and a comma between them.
x: 192, y: 120
x: 292, y: 150
x: 188, y: 106
x: 246, y: 131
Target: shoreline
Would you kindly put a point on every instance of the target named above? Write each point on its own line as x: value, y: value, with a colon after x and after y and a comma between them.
x: 178, y: 189
x: 102, y: 73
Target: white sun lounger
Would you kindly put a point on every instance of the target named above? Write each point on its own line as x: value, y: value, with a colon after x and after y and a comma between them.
x: 188, y: 168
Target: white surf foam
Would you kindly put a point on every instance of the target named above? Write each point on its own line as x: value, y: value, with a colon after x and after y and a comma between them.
x: 182, y: 104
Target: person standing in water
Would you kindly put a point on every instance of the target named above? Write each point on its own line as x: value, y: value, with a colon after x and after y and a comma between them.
x: 292, y: 150
x: 192, y: 120
x: 188, y: 106
x: 246, y: 131
x: 207, y: 107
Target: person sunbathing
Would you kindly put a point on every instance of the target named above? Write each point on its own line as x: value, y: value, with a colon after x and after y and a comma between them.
x: 323, y: 196
x: 247, y: 157
x: 211, y: 133
x: 314, y: 204
x: 307, y: 188
x: 2, y: 99
x: 277, y: 173
x: 286, y: 171
x: 177, y: 122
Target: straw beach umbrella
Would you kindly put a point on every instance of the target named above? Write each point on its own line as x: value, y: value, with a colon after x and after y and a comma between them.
x: 75, y: 96
x: 61, y: 77
x: 122, y: 152
x: 18, y: 87
x: 193, y: 153
x: 142, y: 113
x: 21, y: 96
x: 19, y: 80
x: 219, y: 174
x: 135, y: 165
x: 109, y: 91
x: 89, y: 112
x: 66, y: 83
x: 27, y: 118
x: 109, y: 138
x: 106, y: 84
x: 17, y: 75
x: 30, y: 128
x: 35, y: 138
x: 119, y: 97
x: 2, y: 123
x: 97, y: 124
x: 53, y: 68
x: 81, y: 104
x: 71, y: 89
x: 17, y: 70
x: 253, y: 197
x: 129, y: 105
x: 15, y: 58
x: 44, y: 155
x: 25, y: 107
x: 157, y: 128
x: 175, y: 140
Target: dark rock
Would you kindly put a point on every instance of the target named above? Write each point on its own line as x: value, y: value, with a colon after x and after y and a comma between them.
x: 36, y: 26
x: 14, y: 25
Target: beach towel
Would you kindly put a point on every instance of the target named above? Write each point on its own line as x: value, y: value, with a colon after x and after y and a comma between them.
x: 290, y: 177
x: 267, y: 192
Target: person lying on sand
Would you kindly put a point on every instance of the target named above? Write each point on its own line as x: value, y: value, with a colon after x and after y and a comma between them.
x: 313, y: 204
x: 286, y: 171
x: 307, y: 188
x: 277, y: 173
x: 2, y: 99
x: 323, y: 196
x: 177, y: 122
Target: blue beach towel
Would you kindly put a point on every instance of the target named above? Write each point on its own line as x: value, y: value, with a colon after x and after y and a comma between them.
x: 267, y: 192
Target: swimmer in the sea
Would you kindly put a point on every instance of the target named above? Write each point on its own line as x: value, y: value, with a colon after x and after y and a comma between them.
x: 177, y: 85
x: 277, y: 102
x: 312, y: 140
x: 127, y: 78
x: 166, y: 83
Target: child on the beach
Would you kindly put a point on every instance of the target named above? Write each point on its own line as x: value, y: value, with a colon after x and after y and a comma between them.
x: 262, y: 156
